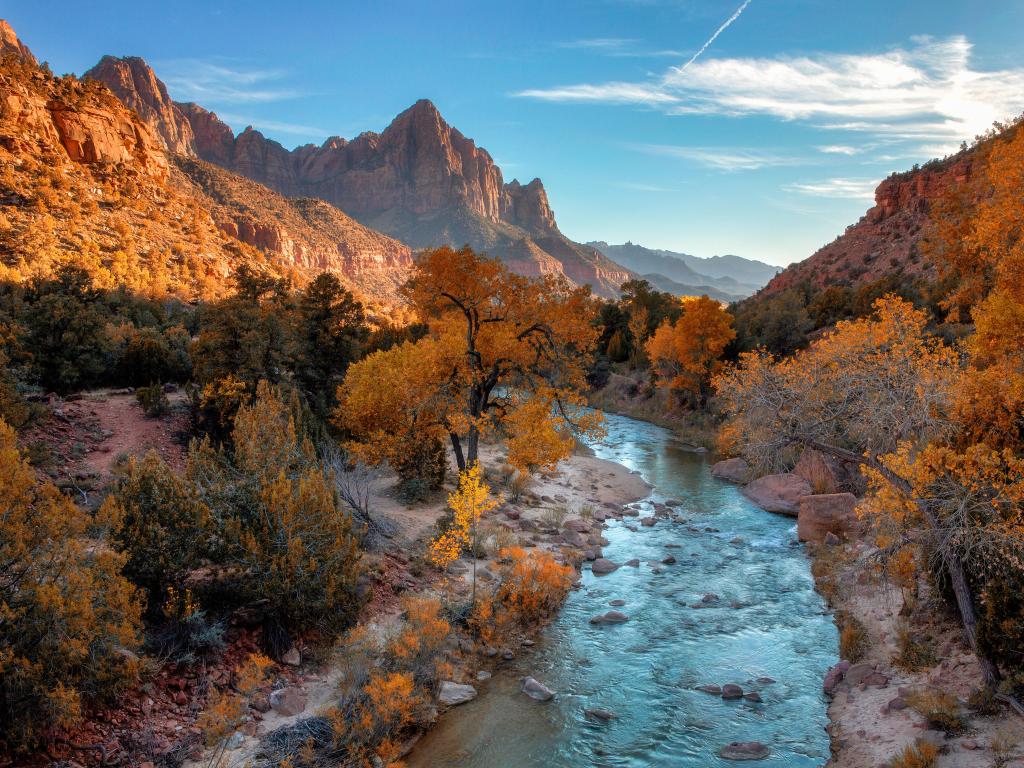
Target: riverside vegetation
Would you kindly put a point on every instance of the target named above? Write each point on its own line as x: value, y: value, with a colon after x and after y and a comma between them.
x: 209, y: 573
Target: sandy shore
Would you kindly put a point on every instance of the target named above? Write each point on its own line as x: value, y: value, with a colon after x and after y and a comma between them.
x: 871, y: 721
x: 581, y: 486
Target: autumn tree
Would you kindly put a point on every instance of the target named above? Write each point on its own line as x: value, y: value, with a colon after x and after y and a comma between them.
x: 500, y: 346
x: 881, y: 392
x: 68, y: 619
x: 687, y: 354
x: 468, y: 504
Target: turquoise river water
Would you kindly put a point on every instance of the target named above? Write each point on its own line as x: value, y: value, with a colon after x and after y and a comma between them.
x: 768, y: 623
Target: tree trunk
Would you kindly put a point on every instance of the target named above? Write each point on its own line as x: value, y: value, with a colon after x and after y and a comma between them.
x: 472, y: 446
x: 953, y: 563
x: 460, y: 459
x: 965, y: 603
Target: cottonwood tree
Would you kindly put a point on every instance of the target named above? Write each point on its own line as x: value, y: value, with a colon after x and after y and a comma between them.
x: 880, y: 392
x: 687, y: 353
x: 504, y: 354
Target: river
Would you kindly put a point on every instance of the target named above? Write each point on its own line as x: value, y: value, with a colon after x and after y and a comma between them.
x: 768, y: 622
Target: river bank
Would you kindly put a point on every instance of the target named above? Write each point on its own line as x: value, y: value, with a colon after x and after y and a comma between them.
x: 584, y: 487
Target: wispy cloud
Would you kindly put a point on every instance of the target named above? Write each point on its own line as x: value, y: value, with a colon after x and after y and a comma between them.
x: 928, y: 94
x: 724, y: 158
x: 847, y: 189
x: 621, y: 47
x: 840, y: 149
x: 212, y: 82
x: 275, y: 126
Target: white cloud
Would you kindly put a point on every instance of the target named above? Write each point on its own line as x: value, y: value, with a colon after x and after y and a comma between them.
x: 840, y: 149
x: 723, y: 158
x: 927, y: 93
x: 607, y: 93
x: 275, y: 126
x: 213, y: 83
x: 847, y: 189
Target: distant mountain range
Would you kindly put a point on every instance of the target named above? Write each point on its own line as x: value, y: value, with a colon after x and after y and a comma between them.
x: 726, y: 278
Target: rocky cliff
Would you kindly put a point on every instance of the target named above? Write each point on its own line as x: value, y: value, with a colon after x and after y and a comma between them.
x: 420, y: 180
x: 886, y: 240
x: 88, y: 181
x: 134, y: 83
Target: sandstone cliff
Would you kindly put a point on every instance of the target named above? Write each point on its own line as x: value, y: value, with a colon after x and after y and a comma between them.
x: 9, y: 43
x: 420, y: 180
x: 886, y: 240
x: 88, y: 181
x: 134, y: 83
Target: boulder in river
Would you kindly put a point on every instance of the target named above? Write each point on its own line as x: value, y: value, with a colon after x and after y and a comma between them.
x: 744, y: 750
x: 610, y: 617
x: 648, y: 522
x: 714, y: 690
x: 778, y: 493
x: 452, y: 694
x: 537, y: 690
x: 732, y: 691
x: 600, y: 714
x: 603, y: 566
x: 734, y: 470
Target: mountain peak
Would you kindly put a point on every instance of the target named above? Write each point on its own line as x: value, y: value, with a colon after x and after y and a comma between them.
x: 135, y: 83
x: 9, y: 43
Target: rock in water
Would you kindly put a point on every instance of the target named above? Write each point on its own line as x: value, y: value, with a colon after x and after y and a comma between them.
x: 600, y: 714
x: 610, y: 617
x: 452, y: 694
x: 537, y: 690
x: 734, y: 470
x: 744, y: 750
x: 731, y: 691
x: 602, y: 566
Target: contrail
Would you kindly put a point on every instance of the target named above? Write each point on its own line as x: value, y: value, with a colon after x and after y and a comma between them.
x: 714, y: 37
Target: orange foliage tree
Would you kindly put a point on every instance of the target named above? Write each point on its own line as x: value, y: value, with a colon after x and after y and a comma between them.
x: 688, y: 353
x: 881, y: 392
x: 502, y: 350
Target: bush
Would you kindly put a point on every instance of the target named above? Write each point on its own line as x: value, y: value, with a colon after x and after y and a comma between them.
x: 940, y: 709
x: 167, y: 529
x: 69, y: 619
x: 914, y: 653
x: 421, y: 468
x: 923, y: 754
x: 185, y: 635
x: 284, y: 528
x: 853, y: 638
x: 153, y: 400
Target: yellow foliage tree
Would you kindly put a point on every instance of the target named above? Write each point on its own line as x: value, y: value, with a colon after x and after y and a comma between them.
x: 687, y: 354
x: 471, y: 501
x: 497, y: 343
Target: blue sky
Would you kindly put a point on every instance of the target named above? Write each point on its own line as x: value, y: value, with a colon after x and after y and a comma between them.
x: 767, y: 145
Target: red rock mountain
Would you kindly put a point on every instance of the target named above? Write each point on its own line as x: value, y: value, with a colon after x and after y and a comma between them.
x: 420, y: 180
x: 886, y: 239
x: 134, y: 83
x: 9, y: 43
x: 85, y: 180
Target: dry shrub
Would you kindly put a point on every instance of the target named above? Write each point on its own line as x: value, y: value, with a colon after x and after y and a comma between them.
x: 915, y: 653
x: 853, y: 638
x: 518, y: 485
x: 553, y: 517
x: 920, y: 755
x: 532, y: 586
x: 940, y: 709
